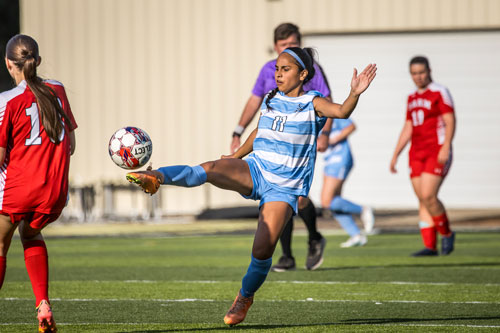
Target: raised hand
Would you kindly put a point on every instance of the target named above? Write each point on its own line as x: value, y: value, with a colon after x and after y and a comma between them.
x: 360, y: 82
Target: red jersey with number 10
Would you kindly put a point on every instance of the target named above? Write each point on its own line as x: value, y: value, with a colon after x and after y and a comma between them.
x: 34, y: 175
x: 425, y: 110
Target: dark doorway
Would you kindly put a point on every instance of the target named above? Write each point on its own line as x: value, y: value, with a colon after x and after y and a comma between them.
x: 9, y: 26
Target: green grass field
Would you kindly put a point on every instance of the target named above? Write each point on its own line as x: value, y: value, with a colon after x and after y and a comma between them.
x: 186, y: 284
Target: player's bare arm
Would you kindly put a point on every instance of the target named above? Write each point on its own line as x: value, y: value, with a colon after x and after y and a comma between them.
x: 249, y: 112
x: 2, y: 155
x: 449, y: 123
x: 404, y: 139
x: 322, y: 142
x: 245, y: 149
x: 343, y: 134
x: 72, y: 140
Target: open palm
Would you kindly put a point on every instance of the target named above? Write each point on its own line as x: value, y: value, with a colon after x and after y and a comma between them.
x: 360, y: 82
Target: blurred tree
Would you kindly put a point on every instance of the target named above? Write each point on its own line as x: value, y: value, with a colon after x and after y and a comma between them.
x: 9, y: 26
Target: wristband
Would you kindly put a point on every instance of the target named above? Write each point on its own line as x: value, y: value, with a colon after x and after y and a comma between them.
x: 238, y: 131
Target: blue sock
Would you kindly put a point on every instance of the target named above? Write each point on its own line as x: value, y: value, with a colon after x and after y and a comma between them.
x: 347, y: 222
x: 184, y: 175
x: 342, y: 205
x: 255, y: 276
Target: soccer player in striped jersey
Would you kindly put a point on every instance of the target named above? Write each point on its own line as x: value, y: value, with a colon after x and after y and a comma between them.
x: 288, y: 35
x: 36, y: 141
x: 430, y: 125
x: 281, y: 166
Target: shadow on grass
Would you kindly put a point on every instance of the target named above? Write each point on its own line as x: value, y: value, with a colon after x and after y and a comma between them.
x: 243, y: 327
x: 378, y: 321
x: 416, y: 265
x: 352, y: 322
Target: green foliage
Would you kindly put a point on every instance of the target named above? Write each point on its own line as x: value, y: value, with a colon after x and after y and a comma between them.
x: 186, y: 284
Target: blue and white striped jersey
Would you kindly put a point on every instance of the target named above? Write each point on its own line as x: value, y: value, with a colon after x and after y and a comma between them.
x: 285, y: 145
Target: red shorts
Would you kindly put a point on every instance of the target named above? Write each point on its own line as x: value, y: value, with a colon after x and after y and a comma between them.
x: 36, y: 220
x: 428, y: 164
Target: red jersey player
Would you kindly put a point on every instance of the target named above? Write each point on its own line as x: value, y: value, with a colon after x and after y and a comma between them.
x: 430, y: 124
x: 36, y: 141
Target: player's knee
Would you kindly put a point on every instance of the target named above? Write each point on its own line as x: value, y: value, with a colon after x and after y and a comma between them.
x: 336, y: 204
x: 303, y: 202
x: 428, y: 199
x: 263, y: 252
x: 209, y: 166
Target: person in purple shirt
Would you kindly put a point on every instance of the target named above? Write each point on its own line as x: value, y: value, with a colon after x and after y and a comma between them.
x: 288, y: 35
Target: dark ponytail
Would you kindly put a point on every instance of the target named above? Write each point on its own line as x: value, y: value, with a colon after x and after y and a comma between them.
x: 270, y: 96
x: 310, y: 55
x: 22, y: 50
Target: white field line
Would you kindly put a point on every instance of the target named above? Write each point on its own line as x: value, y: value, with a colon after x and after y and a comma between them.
x: 186, y: 300
x: 322, y: 282
x: 336, y: 324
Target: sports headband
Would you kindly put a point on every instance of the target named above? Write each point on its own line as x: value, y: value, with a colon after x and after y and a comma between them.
x: 293, y: 54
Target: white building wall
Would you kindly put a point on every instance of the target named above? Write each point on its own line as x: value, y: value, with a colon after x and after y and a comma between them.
x: 467, y: 64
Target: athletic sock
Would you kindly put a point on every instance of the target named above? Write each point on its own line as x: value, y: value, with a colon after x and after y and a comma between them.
x: 184, y: 175
x: 308, y: 214
x: 255, y: 276
x: 37, y: 265
x: 442, y: 224
x: 428, y: 233
x: 286, y: 239
x: 3, y: 267
x: 341, y: 205
x: 347, y: 223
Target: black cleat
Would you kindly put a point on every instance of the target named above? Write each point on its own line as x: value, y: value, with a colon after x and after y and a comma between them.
x: 315, y: 254
x: 284, y: 264
x: 447, y: 244
x: 425, y: 252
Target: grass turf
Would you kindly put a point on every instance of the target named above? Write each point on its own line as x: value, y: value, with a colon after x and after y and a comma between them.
x: 186, y: 284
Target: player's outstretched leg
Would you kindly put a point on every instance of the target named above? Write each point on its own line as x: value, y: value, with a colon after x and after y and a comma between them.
x: 46, y: 322
x: 179, y: 175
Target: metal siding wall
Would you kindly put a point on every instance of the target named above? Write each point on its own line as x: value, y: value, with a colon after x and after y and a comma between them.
x: 183, y: 69
x: 334, y: 16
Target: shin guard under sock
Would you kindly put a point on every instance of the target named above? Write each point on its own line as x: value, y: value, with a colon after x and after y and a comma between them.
x: 347, y: 222
x: 184, y: 175
x: 308, y: 214
x: 342, y: 205
x: 37, y: 265
x: 428, y: 235
x: 255, y: 276
x: 442, y: 224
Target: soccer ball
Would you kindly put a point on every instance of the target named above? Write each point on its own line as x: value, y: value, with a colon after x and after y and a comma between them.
x: 130, y: 147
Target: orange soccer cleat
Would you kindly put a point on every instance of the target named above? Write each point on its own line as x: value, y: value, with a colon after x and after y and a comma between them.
x: 149, y: 180
x: 46, y: 322
x: 238, y: 310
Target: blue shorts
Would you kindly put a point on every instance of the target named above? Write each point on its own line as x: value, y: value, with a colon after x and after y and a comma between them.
x: 338, y: 167
x: 264, y: 192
